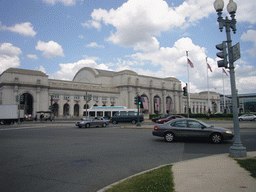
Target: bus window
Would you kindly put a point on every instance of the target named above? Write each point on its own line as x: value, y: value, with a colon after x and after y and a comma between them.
x: 131, y: 113
x: 114, y: 113
x: 107, y: 113
x: 123, y: 113
x: 92, y: 113
x: 99, y: 113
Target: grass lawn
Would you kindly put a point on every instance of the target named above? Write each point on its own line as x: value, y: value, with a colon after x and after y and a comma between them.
x: 249, y: 165
x: 159, y: 180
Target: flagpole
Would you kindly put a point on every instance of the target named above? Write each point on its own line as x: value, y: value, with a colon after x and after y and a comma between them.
x: 188, y: 84
x: 208, y: 106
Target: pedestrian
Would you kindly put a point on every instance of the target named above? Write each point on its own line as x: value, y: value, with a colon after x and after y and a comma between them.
x: 208, y: 116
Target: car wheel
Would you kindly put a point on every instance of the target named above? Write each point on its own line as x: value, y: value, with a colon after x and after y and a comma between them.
x: 87, y: 125
x: 114, y: 122
x: 216, y: 138
x: 169, y: 137
x: 240, y: 119
x: 134, y: 121
x: 104, y: 125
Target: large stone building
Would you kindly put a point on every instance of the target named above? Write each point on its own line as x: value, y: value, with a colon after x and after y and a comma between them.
x: 106, y: 88
x: 247, y: 103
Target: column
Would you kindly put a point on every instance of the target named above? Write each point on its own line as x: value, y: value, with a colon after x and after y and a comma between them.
x: 37, y: 102
x: 130, y: 98
x: 164, y: 102
x: 151, y: 101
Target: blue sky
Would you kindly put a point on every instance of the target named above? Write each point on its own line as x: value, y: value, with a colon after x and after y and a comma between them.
x: 151, y: 37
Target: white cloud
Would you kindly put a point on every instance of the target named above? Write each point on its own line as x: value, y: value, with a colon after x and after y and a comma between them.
x: 250, y: 36
x: 92, y: 23
x: 64, y: 2
x: 9, y: 50
x: 138, y: 23
x: 245, y: 11
x: 25, y: 29
x: 9, y: 56
x: 68, y: 70
x: 94, y: 44
x: 50, y: 49
x: 41, y: 68
x: 32, y: 57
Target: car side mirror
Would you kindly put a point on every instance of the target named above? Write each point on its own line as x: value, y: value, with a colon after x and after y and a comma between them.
x: 203, y: 127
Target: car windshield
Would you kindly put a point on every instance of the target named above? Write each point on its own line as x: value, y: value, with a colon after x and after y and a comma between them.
x: 88, y: 119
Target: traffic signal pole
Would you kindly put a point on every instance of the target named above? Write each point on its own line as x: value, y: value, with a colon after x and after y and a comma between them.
x: 237, y: 149
x: 138, y: 114
x: 187, y: 100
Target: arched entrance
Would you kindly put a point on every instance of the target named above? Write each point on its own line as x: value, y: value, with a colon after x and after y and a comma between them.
x: 76, y: 110
x: 86, y: 106
x: 26, y: 103
x: 157, y: 104
x: 66, y: 109
x: 55, y: 110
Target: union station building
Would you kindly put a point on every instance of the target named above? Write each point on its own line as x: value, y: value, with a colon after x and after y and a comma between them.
x: 105, y: 88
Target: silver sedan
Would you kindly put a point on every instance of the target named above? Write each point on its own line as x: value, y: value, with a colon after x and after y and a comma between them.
x: 247, y: 117
x: 191, y: 128
x: 92, y: 122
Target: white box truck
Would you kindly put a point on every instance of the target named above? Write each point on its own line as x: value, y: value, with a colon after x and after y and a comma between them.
x: 9, y: 114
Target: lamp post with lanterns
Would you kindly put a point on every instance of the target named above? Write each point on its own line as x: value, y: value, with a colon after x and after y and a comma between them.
x: 237, y: 149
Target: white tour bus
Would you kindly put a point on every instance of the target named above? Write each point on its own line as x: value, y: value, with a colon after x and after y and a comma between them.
x: 106, y: 111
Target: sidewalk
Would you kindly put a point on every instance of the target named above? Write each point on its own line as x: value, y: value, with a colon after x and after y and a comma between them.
x: 217, y: 173
x: 213, y: 173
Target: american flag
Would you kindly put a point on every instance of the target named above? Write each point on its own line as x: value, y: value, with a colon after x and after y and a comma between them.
x: 168, y: 103
x: 157, y: 104
x: 209, y: 67
x: 190, y: 63
x: 223, y: 71
x: 144, y: 101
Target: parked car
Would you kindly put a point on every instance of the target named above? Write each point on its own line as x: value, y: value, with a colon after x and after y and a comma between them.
x: 160, y: 117
x: 164, y: 120
x: 92, y: 122
x: 125, y: 116
x: 247, y: 117
x: 191, y: 128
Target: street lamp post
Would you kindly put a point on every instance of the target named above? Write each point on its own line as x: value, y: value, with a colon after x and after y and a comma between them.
x: 237, y: 149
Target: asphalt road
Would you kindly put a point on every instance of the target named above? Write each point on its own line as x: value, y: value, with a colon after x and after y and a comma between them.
x: 53, y: 157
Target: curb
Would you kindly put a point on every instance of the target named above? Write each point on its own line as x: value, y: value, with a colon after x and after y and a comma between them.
x: 120, y: 181
x: 179, y: 162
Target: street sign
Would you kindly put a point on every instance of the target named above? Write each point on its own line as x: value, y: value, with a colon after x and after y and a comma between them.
x: 236, y: 52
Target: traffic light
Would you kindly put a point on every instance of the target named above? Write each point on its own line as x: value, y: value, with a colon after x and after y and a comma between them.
x: 136, y: 100
x: 139, y: 100
x: 223, y: 55
x: 185, y: 93
x: 89, y: 97
x: 22, y: 98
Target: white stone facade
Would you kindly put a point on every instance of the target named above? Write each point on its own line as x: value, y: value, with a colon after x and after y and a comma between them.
x: 106, y: 88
